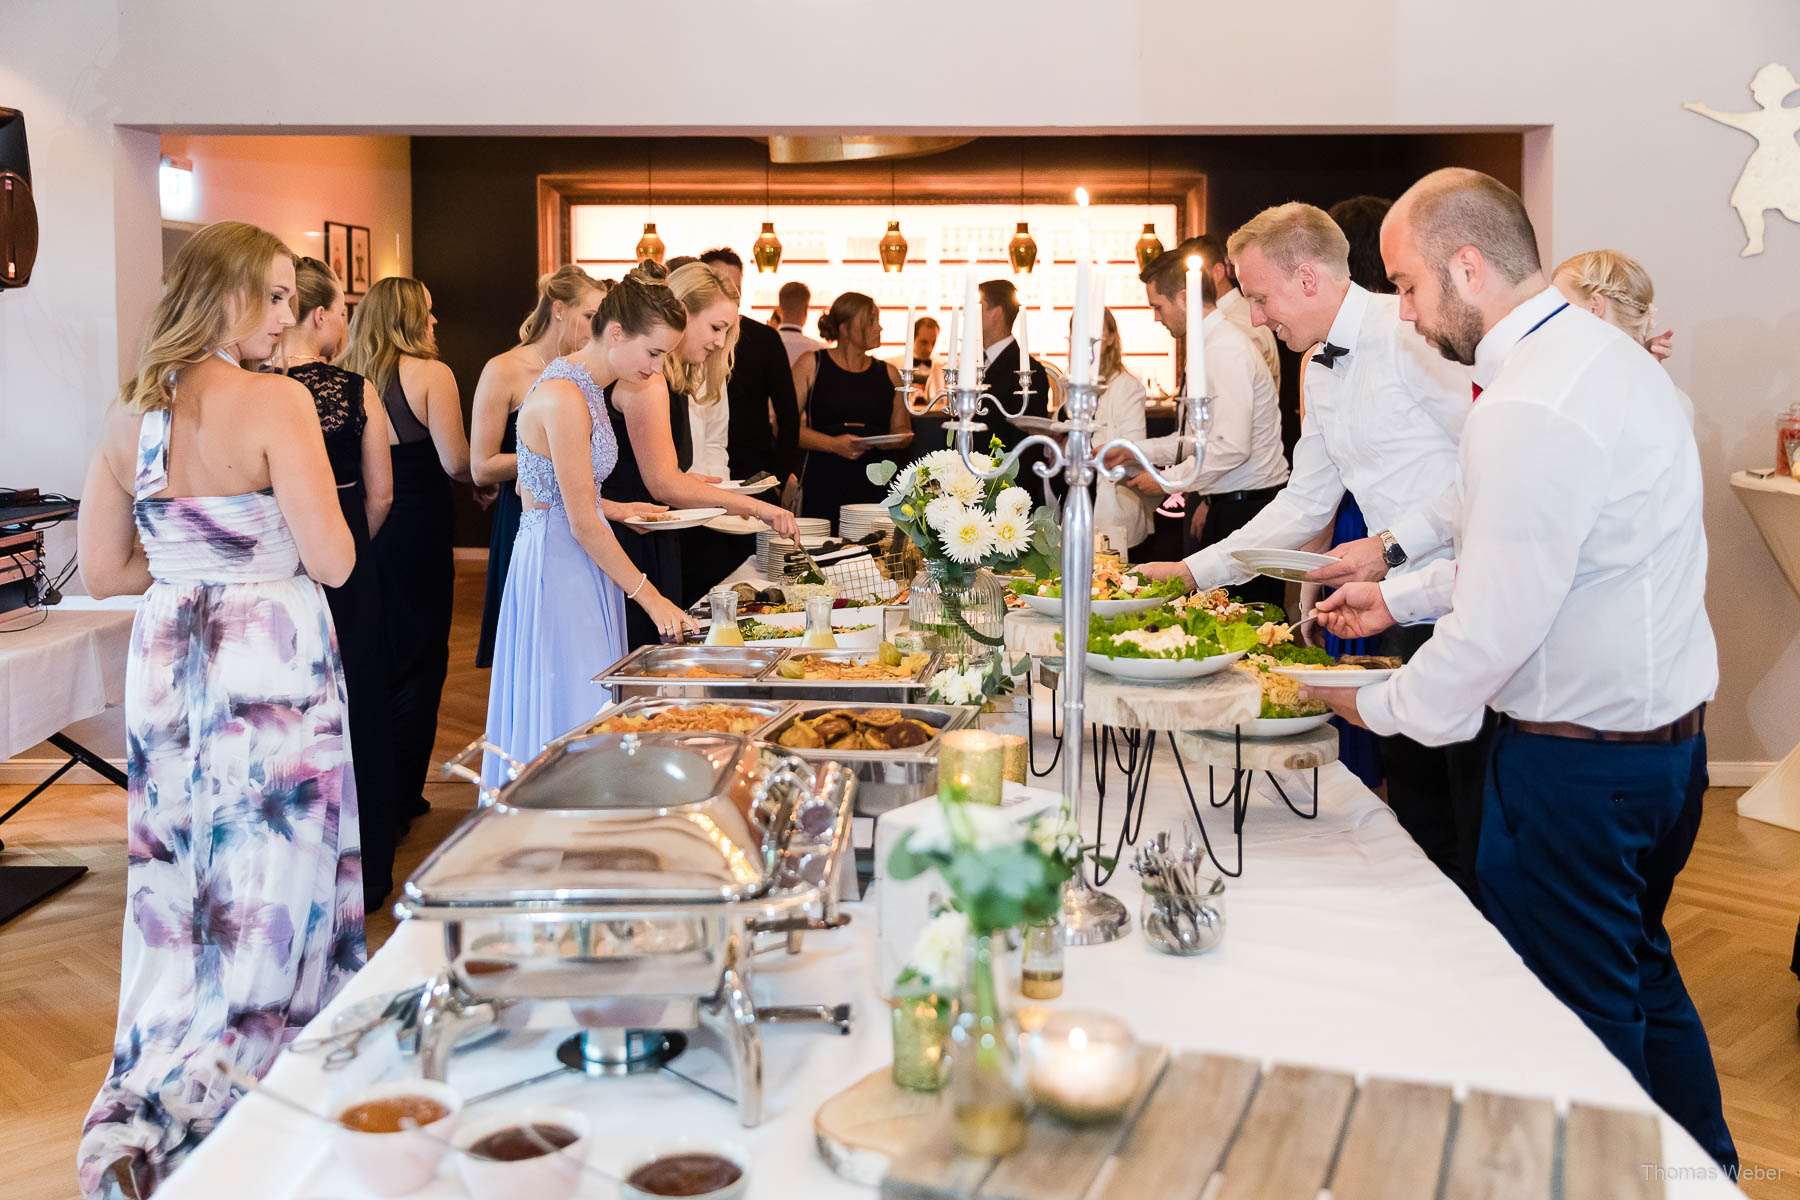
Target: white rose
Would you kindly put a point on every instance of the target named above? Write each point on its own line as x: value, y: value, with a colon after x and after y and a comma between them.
x: 937, y: 956
x: 1015, y: 502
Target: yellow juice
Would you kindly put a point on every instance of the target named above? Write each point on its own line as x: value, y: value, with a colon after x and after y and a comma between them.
x: 724, y: 635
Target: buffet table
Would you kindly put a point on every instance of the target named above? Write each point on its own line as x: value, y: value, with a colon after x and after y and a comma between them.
x: 1774, y: 504
x: 1346, y: 949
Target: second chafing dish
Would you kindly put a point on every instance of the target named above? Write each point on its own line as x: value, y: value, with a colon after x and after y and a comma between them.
x: 655, y: 671
x: 885, y: 778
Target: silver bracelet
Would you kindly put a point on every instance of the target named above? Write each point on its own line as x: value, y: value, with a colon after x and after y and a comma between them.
x: 632, y: 594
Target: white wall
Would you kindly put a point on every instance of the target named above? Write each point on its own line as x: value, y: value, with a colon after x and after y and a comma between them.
x: 1627, y: 167
x: 292, y: 185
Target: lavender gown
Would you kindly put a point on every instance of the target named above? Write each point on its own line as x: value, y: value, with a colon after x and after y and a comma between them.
x: 562, y: 620
x: 244, y: 908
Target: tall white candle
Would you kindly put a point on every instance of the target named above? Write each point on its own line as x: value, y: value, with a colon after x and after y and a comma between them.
x: 1024, y: 344
x: 970, y: 365
x: 1196, y: 341
x: 906, y: 336
x: 951, y: 347
x: 1081, y: 364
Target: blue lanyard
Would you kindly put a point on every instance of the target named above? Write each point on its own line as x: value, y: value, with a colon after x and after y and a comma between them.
x: 1540, y: 324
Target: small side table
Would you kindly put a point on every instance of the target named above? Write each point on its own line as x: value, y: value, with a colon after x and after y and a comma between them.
x: 1774, y: 504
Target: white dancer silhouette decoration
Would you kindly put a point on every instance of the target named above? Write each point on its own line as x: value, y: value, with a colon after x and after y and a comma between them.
x: 1771, y: 177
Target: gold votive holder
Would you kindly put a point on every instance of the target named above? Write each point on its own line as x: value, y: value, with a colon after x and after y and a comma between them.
x: 1017, y: 750
x: 921, y: 1028
x: 971, y: 763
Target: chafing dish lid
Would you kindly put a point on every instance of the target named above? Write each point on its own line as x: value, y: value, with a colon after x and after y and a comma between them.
x: 609, y: 819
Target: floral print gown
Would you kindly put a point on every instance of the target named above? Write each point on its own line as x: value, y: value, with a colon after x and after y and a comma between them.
x: 244, y: 911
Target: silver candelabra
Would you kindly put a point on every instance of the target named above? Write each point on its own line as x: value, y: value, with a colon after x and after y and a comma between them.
x: 1090, y: 915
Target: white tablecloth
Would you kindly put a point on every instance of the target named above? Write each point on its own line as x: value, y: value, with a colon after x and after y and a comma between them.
x: 1345, y: 949
x: 66, y: 669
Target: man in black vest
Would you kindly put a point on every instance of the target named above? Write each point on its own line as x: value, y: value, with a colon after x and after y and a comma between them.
x: 1000, y: 375
x: 765, y: 420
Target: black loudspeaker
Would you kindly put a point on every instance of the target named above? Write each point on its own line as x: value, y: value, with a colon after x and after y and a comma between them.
x: 18, y: 212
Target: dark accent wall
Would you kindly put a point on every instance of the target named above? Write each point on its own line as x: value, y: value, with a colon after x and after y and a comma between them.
x: 475, y: 232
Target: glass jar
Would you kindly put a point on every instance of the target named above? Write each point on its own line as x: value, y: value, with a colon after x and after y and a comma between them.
x: 724, y: 630
x: 958, y: 618
x: 1787, y: 436
x: 818, y: 624
x: 1183, y: 924
x: 1041, y: 968
x: 988, y: 1106
x: 1082, y: 1067
x: 921, y: 1027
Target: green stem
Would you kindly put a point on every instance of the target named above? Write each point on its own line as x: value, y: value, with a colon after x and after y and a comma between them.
x: 987, y: 1008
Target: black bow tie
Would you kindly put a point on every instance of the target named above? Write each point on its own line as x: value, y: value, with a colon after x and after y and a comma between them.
x: 1328, y: 355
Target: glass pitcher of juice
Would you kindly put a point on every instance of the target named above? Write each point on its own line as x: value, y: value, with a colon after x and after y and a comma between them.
x: 724, y: 631
x: 818, y: 624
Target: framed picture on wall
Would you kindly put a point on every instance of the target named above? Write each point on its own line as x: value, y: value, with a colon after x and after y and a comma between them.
x: 362, y: 271
x: 337, y: 249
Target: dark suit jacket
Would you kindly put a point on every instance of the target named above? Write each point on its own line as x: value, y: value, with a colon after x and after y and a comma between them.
x: 761, y: 377
x: 1002, y: 378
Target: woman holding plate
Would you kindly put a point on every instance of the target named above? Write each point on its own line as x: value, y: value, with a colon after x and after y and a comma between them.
x: 846, y: 397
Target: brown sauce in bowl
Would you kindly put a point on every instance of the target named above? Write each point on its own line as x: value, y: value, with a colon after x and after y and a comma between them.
x: 519, y: 1142
x: 386, y: 1114
x: 693, y: 1174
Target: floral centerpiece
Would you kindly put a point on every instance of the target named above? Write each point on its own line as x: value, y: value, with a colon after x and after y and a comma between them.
x: 966, y: 528
x: 1001, y: 873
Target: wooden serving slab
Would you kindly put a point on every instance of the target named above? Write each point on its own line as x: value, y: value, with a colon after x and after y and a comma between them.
x: 1289, y: 1132
x: 1298, y: 752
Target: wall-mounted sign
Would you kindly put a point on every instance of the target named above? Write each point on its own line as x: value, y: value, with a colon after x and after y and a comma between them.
x: 1771, y: 178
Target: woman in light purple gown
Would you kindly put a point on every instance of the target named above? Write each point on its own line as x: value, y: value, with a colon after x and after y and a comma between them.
x: 562, y: 616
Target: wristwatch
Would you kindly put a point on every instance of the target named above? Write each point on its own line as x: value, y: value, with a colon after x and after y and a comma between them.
x: 1391, y: 553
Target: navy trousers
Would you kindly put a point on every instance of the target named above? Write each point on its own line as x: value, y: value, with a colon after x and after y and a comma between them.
x: 1580, y: 845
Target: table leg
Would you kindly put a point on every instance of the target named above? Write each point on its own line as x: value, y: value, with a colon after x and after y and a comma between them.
x: 23, y: 886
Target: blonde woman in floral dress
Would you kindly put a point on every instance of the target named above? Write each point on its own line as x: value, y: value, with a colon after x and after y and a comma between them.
x: 212, y: 495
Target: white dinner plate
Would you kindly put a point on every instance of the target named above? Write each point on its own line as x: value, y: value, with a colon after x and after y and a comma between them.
x: 1051, y: 606
x: 1282, y: 564
x: 1267, y: 727
x: 885, y: 441
x: 1161, y: 670
x: 735, y: 524
x: 675, y: 518
x: 748, y: 489
x: 1316, y: 677
x: 1031, y: 424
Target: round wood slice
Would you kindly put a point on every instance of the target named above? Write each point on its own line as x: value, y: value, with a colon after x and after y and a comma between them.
x: 1300, y: 752
x: 1032, y: 633
x: 867, y: 1125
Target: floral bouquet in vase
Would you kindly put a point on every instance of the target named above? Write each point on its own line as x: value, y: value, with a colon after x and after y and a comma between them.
x: 966, y: 528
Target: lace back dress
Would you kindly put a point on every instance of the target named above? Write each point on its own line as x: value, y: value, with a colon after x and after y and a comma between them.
x: 562, y: 620
x: 244, y: 910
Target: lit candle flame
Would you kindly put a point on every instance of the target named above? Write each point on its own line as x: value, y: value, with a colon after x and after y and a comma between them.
x: 1081, y: 196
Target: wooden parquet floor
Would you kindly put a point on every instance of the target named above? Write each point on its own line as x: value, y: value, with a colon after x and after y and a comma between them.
x: 1732, y: 918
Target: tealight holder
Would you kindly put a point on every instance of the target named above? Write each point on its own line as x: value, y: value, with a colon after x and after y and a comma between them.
x: 1082, y: 1067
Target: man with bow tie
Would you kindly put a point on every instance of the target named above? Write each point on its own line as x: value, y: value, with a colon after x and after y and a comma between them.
x: 1384, y: 412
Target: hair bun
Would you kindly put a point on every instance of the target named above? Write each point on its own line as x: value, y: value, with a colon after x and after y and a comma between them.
x: 648, y: 271
x: 828, y: 326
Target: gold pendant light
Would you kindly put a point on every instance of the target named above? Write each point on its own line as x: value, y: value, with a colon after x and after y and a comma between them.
x: 1022, y: 250
x: 767, y: 249
x: 1148, y: 244
x: 893, y: 247
x: 650, y: 246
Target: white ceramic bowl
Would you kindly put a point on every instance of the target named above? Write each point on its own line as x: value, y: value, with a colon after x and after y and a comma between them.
x: 392, y: 1164
x: 546, y: 1177
x: 1160, y: 670
x: 689, y: 1145
x: 1266, y: 727
x: 1052, y: 606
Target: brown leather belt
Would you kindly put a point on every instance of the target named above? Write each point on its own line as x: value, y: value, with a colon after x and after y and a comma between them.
x: 1679, y: 730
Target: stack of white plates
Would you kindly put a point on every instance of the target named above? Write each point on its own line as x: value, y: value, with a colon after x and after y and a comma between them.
x: 814, y: 532
x: 857, y: 520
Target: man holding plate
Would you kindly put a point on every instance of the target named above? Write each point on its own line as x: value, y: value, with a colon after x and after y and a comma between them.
x: 1575, y: 609
x: 1383, y: 415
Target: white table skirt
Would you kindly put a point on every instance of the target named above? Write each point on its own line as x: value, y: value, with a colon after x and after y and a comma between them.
x: 67, y: 669
x: 1345, y: 949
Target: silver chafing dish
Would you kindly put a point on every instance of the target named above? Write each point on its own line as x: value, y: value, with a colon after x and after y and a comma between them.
x: 752, y: 672
x: 887, y: 778
x: 616, y: 884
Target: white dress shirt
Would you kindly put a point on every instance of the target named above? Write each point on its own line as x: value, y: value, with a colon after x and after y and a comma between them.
x: 1119, y: 507
x: 709, y: 428
x: 990, y: 353
x: 797, y: 343
x: 1243, y: 442
x: 1237, y: 311
x: 1382, y: 423
x: 1580, y: 583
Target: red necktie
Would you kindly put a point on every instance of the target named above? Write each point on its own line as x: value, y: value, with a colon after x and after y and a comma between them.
x: 1476, y: 388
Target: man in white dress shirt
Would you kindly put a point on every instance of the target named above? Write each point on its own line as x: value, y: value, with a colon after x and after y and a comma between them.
x: 1243, y: 468
x: 1233, y: 305
x: 1383, y: 414
x: 1576, y: 609
x: 794, y: 302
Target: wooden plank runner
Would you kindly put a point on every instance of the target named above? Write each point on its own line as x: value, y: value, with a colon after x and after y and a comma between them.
x: 1503, y: 1149
x: 1182, y: 1133
x: 931, y: 1169
x: 1394, y: 1145
x: 1606, y: 1153
x: 1060, y: 1162
x: 1289, y: 1135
